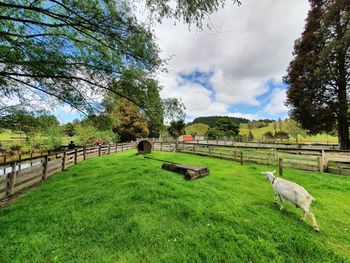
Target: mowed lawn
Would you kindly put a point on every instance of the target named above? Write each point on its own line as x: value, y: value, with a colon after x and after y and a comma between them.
x: 125, y: 208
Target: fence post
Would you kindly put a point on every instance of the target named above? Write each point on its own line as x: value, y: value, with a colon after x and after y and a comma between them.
x: 122, y: 147
x: 12, y: 179
x: 176, y: 146
x: 84, y: 153
x: 19, y: 163
x: 109, y: 149
x: 241, y: 157
x: 320, y: 164
x: 268, y: 159
x: 161, y: 146
x: 280, y: 166
x: 76, y: 156
x: 64, y: 161
x: 99, y: 150
x: 209, y: 151
x: 46, y: 161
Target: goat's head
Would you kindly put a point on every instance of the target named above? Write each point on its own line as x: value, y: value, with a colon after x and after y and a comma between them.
x: 269, y: 175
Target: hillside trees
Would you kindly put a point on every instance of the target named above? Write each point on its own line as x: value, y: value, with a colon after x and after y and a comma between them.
x: 319, y: 74
x: 197, y: 129
x: 176, y: 128
x: 224, y: 127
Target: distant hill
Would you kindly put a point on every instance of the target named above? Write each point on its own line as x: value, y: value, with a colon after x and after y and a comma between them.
x: 211, y: 120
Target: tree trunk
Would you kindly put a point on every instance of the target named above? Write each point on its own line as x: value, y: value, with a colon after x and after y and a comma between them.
x: 343, y: 119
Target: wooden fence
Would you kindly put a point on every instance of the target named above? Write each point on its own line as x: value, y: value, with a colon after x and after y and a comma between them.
x: 19, y: 174
x: 334, y: 161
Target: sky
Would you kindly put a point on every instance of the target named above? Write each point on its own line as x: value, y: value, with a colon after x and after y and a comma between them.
x: 236, y: 67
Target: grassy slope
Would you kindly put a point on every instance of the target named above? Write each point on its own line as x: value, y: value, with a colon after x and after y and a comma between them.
x: 124, y: 208
x: 258, y: 134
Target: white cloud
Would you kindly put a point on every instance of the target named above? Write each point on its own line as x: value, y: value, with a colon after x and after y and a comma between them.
x: 276, y: 104
x: 247, y: 46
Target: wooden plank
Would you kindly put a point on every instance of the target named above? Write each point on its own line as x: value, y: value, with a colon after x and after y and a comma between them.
x: 338, y: 158
x: 3, y: 195
x: 54, y: 168
x: 70, y: 161
x: 297, y: 156
x: 304, y: 168
x: 315, y: 163
x: 27, y: 184
x: 53, y: 171
x: 29, y: 170
x: 28, y: 177
x: 55, y: 162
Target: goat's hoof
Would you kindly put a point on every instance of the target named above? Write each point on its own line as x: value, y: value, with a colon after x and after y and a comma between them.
x: 316, y: 229
x: 275, y: 202
x: 281, y: 208
x: 302, y: 219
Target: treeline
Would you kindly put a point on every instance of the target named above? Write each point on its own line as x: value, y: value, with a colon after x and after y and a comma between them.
x: 212, y: 120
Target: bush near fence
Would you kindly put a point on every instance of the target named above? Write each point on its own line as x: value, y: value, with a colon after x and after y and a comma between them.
x: 20, y: 174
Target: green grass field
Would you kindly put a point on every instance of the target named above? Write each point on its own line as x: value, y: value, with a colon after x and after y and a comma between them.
x: 124, y: 208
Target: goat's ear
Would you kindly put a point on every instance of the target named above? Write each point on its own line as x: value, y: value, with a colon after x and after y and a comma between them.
x: 273, y: 171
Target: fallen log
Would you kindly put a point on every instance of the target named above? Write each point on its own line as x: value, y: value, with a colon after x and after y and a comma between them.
x: 190, y: 172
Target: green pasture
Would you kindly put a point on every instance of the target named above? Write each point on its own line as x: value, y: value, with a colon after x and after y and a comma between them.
x: 125, y: 208
x: 259, y: 133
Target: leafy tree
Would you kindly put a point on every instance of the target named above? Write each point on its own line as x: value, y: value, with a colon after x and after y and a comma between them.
x: 319, y: 74
x: 227, y: 126
x: 268, y: 135
x: 189, y: 11
x: 19, y: 120
x: 69, y: 129
x: 211, y: 120
x: 250, y: 136
x: 54, y: 138
x: 46, y: 121
x: 132, y: 124
x: 281, y: 135
x: 199, y: 129
x: 72, y: 50
x: 294, y: 129
x: 214, y: 133
x: 176, y: 128
x: 174, y: 109
x: 69, y: 49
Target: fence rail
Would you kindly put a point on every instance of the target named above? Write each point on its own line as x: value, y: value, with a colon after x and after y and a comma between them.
x: 19, y: 174
x: 302, y: 159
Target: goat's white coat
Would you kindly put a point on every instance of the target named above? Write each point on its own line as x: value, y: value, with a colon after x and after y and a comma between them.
x: 293, y: 193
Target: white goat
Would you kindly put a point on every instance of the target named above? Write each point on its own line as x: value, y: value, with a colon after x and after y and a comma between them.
x: 293, y: 193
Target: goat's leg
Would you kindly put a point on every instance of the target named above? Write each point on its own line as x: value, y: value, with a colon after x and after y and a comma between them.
x: 281, y: 205
x: 275, y: 198
x: 314, y: 222
x: 303, y: 217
